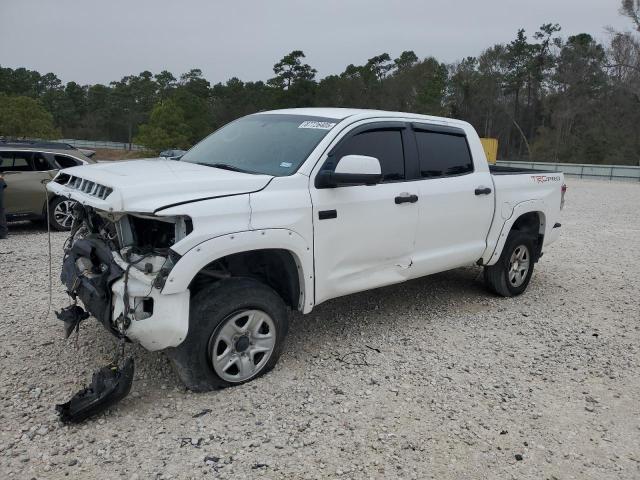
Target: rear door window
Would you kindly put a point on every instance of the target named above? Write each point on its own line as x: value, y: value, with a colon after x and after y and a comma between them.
x: 41, y: 163
x: 443, y: 154
x: 385, y: 145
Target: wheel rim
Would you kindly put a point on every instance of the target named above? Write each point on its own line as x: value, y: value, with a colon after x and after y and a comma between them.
x: 63, y: 213
x: 242, y: 346
x: 519, y: 265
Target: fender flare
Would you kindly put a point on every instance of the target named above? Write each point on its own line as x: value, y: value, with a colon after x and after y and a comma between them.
x: 490, y: 257
x: 218, y: 247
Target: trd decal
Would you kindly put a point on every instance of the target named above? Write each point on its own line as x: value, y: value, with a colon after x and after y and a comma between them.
x: 544, y: 178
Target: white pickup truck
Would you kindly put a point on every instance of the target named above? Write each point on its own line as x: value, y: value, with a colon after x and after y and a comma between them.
x: 202, y: 257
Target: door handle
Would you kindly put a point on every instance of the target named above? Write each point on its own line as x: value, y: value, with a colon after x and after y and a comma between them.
x: 483, y: 191
x: 327, y: 214
x: 406, y: 198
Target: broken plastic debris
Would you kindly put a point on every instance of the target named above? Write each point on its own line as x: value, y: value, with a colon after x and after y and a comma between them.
x: 108, y: 386
x: 71, y: 316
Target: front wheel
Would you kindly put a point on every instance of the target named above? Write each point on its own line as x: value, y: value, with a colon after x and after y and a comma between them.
x: 237, y: 329
x: 61, y: 213
x: 511, y: 274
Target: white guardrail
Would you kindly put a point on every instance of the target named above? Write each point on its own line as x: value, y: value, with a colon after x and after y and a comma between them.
x: 582, y: 170
x: 100, y: 144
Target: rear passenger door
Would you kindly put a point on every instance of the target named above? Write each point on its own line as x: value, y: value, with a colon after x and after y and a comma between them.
x: 453, y: 218
x: 25, y: 174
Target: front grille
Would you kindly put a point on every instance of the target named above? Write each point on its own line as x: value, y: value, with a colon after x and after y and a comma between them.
x: 86, y: 186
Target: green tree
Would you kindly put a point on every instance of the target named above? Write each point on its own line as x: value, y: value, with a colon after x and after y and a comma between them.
x: 290, y: 70
x: 345, y: 90
x: 24, y: 117
x: 236, y: 98
x: 20, y: 81
x: 167, y: 128
x: 577, y: 130
x: 195, y: 83
x: 98, y: 122
x: 196, y: 113
x: 380, y: 66
x: 52, y: 97
x: 519, y: 57
x: 134, y: 96
x: 405, y: 61
x: 166, y: 84
x: 75, y: 97
x: 417, y: 87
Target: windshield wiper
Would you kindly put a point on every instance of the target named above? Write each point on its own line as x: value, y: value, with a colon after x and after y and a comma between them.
x: 226, y: 166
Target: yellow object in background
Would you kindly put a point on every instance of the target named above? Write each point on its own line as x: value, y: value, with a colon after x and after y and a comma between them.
x: 490, y: 146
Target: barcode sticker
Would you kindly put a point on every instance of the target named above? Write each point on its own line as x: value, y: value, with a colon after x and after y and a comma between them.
x: 317, y: 125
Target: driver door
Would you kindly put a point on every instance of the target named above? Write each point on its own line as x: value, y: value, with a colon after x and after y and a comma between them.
x: 364, y: 235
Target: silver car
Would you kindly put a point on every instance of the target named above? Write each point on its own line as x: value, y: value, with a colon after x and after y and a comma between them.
x: 26, y: 170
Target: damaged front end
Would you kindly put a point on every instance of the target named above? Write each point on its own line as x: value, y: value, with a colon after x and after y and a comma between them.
x: 116, y: 265
x: 88, y: 271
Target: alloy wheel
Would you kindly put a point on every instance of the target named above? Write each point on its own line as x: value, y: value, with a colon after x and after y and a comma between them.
x: 519, y: 264
x: 242, y: 346
x: 63, y: 213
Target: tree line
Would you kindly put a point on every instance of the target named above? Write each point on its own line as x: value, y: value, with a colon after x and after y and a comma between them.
x: 545, y: 97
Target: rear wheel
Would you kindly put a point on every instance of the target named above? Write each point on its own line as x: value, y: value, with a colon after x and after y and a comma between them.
x: 236, y: 333
x: 511, y: 274
x: 61, y: 213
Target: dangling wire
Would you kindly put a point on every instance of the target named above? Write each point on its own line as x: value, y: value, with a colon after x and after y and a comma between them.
x: 50, y: 302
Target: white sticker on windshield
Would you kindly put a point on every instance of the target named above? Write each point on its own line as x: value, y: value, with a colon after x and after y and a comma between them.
x: 286, y: 164
x: 317, y: 125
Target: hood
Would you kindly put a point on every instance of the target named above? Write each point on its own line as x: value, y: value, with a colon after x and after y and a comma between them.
x: 146, y: 186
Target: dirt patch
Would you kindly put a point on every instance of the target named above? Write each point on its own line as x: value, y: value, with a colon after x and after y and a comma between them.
x: 434, y: 378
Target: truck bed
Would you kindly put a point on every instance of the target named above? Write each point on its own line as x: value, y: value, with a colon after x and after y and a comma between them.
x: 500, y: 170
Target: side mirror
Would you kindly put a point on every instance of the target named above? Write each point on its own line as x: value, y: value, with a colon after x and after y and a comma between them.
x: 351, y: 170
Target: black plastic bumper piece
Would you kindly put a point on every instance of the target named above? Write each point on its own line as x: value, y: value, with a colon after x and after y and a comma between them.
x: 71, y: 316
x: 108, y: 386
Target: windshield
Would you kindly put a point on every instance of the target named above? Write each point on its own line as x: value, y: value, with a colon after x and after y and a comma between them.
x: 272, y: 144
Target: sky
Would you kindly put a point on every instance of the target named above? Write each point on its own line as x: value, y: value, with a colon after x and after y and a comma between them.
x: 97, y: 41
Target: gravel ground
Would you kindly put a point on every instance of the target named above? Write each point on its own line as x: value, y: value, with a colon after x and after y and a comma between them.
x: 434, y: 378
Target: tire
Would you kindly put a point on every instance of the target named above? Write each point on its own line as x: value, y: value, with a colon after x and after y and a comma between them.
x: 219, y: 336
x: 60, y: 214
x: 501, y: 278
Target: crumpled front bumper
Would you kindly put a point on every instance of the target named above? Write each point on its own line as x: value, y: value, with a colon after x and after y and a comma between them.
x: 96, y: 275
x: 169, y: 321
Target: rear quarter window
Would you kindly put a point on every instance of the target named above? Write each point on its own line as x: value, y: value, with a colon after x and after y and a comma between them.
x: 66, y: 162
x: 443, y: 155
